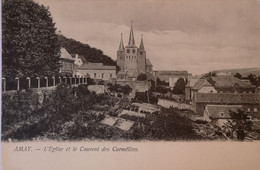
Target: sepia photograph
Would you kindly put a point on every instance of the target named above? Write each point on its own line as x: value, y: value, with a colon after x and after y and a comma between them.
x: 85, y: 76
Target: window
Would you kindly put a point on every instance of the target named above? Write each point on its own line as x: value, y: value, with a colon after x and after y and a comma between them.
x: 255, y: 109
x: 102, y: 75
x: 133, y: 51
x: 128, y: 51
x: 141, y: 53
x: 110, y: 74
x: 248, y: 109
x: 135, y: 57
x: 95, y: 75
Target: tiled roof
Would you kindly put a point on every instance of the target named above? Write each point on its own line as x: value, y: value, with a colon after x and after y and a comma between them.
x: 200, y: 83
x: 65, y: 55
x: 228, y: 98
x: 95, y: 66
x: 229, y: 81
x: 221, y: 111
x: 192, y: 82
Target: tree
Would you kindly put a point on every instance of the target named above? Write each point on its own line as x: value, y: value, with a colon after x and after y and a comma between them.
x: 126, y: 89
x: 239, y: 123
x: 142, y: 77
x: 238, y: 75
x: 30, y: 44
x: 179, y: 87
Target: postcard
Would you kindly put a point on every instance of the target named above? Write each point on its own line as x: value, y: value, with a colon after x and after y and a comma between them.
x: 134, y: 84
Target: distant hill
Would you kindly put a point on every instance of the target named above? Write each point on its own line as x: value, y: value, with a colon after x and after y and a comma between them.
x: 243, y: 71
x: 87, y: 53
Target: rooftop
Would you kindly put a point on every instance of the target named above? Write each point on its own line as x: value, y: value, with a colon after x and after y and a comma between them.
x: 222, y: 111
x: 228, y: 98
x: 200, y: 83
x: 95, y: 66
x: 65, y: 55
x: 230, y: 81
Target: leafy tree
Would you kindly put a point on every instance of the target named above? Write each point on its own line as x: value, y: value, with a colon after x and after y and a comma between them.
x: 254, y: 80
x: 179, y: 87
x: 239, y: 123
x: 238, y: 75
x: 210, y: 74
x: 126, y: 89
x: 30, y: 44
x: 142, y: 77
x: 162, y: 89
x: 161, y: 82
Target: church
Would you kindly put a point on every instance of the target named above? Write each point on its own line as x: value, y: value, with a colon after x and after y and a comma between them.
x: 132, y: 60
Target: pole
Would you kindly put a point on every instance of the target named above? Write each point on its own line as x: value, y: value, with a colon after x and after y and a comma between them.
x: 29, y: 82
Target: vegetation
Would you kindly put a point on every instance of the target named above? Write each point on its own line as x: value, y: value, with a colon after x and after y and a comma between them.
x: 179, y: 87
x: 254, y: 80
x: 145, y: 97
x: 161, y: 82
x: 117, y: 88
x: 142, y: 77
x: 239, y: 123
x: 30, y: 44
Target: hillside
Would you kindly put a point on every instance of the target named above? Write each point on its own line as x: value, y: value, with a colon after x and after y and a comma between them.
x: 87, y: 53
x: 243, y: 71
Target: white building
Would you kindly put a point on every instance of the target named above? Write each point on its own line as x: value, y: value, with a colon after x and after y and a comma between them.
x: 97, y: 71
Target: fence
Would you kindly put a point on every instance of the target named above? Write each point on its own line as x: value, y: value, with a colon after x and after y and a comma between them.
x: 37, y: 82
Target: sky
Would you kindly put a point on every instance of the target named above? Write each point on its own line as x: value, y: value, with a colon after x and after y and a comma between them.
x: 193, y: 35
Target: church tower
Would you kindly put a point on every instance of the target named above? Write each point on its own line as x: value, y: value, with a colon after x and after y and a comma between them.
x: 131, y: 59
x: 121, y: 54
x: 141, y: 58
x: 131, y: 51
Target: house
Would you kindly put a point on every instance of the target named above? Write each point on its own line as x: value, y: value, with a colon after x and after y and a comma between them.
x: 198, y: 86
x: 216, y: 112
x: 96, y: 71
x: 230, y: 84
x: 250, y: 102
x: 67, y: 62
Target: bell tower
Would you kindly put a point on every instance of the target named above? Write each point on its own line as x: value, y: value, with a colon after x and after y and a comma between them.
x: 141, y: 59
x: 121, y: 54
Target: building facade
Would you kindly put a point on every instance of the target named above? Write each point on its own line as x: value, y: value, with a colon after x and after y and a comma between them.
x: 96, y: 71
x: 249, y: 102
x: 67, y: 62
x: 131, y: 59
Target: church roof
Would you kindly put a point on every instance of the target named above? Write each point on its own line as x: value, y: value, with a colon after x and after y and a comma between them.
x: 141, y: 44
x: 131, y: 42
x: 121, y: 45
x: 148, y: 62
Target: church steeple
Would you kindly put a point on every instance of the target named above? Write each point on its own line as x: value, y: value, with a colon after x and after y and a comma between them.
x: 131, y: 36
x: 142, y: 43
x: 121, y: 45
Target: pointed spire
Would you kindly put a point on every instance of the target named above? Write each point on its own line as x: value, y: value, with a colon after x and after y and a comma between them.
x: 131, y: 37
x: 121, y: 45
x: 142, y: 43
